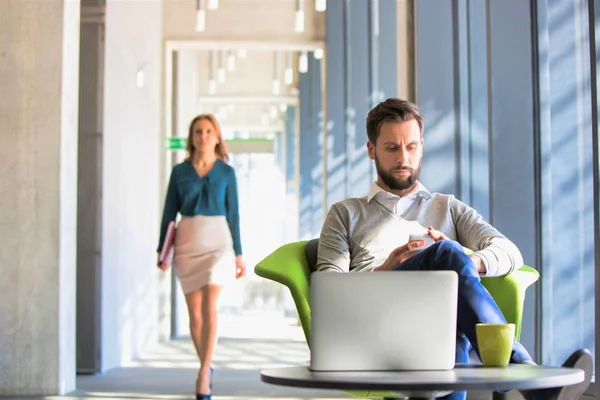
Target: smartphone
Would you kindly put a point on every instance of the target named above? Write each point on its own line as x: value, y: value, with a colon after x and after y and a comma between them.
x: 424, y: 237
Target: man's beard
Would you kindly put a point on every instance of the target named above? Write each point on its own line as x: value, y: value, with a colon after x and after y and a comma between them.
x: 395, y: 183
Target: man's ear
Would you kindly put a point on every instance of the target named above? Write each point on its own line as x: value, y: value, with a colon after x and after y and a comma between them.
x: 371, y: 149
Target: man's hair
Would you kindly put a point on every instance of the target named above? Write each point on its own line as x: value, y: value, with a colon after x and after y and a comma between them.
x: 391, y: 110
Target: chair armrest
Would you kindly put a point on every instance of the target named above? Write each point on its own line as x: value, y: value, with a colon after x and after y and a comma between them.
x: 509, y: 293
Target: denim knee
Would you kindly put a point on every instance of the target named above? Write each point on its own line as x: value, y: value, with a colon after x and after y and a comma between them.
x: 459, y: 261
x: 447, y: 246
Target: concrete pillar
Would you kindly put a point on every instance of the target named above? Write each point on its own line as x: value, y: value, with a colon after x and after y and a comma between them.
x: 186, y: 108
x: 567, y: 163
x: 317, y: 170
x: 39, y: 67
x: 514, y: 215
x: 291, y: 174
x: 335, y: 88
x: 386, y: 31
x: 436, y: 94
x: 305, y: 148
x: 369, y: 56
x: 477, y: 129
x: 405, y: 54
x: 311, y: 151
x: 291, y: 139
x: 466, y: 90
x: 187, y: 93
x: 359, y: 93
x: 279, y: 151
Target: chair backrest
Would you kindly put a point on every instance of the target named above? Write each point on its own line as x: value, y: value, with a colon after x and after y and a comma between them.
x: 312, y: 246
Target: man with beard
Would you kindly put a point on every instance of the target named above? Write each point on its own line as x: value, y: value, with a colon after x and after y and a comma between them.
x: 372, y: 234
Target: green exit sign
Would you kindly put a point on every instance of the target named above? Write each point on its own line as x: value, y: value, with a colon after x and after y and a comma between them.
x: 175, y: 143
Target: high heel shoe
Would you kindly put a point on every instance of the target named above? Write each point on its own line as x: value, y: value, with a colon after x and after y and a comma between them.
x: 200, y: 396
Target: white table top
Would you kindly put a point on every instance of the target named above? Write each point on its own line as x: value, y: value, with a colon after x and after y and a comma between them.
x: 463, y: 377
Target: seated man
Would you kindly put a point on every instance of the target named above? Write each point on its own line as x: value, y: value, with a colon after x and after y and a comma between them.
x: 364, y: 234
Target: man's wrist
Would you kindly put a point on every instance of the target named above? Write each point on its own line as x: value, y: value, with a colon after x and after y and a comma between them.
x: 479, y: 264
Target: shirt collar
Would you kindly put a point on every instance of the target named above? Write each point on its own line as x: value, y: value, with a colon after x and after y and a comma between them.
x: 419, y: 190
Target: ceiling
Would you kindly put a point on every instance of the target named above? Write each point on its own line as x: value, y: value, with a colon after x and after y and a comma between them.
x: 246, y: 46
x: 261, y: 20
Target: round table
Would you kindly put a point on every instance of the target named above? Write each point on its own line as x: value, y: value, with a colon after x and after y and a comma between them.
x: 428, y: 384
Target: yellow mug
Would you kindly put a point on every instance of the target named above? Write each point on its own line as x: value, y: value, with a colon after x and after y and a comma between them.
x: 495, y: 342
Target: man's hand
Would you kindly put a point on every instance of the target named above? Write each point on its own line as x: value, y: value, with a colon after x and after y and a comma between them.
x: 436, y: 235
x: 400, y: 254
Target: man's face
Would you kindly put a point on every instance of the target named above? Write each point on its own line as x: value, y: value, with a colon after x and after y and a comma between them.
x: 398, y: 154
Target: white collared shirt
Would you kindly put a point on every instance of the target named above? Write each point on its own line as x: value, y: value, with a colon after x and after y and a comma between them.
x: 396, y: 204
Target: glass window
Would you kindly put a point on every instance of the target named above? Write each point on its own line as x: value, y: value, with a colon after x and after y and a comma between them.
x: 566, y: 172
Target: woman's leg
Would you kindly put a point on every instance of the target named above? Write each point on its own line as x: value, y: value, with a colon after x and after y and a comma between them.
x: 194, y: 305
x: 208, y: 338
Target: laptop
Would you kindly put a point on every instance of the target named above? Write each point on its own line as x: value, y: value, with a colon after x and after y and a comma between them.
x: 383, y: 321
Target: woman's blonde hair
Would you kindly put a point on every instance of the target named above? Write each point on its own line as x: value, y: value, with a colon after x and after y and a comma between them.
x: 221, y: 148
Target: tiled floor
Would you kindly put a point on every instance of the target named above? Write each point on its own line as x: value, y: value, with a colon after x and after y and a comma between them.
x: 169, y: 370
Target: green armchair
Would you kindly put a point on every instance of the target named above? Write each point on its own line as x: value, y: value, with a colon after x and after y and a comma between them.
x: 289, y: 266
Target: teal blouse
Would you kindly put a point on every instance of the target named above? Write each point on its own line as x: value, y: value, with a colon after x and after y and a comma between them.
x: 213, y: 194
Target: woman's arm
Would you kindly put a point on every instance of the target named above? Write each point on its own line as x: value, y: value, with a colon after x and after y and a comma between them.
x: 232, y: 209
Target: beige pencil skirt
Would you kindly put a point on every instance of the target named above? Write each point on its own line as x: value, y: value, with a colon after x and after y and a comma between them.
x: 203, y: 252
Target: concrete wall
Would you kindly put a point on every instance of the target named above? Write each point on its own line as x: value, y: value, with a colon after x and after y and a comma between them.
x: 131, y: 179
x: 39, y: 65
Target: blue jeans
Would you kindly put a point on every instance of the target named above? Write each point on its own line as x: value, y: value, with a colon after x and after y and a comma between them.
x: 475, y: 304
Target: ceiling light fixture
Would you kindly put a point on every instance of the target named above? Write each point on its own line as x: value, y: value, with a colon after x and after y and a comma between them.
x: 276, y: 83
x: 288, y: 74
x: 276, y: 87
x: 299, y: 16
x: 303, y: 62
x: 221, y: 70
x: 140, y: 78
x: 213, y: 4
x: 212, y: 82
x: 200, y: 16
x: 320, y: 5
x: 230, y: 61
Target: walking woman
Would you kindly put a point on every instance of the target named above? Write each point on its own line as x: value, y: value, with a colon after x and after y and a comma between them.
x: 208, y: 248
